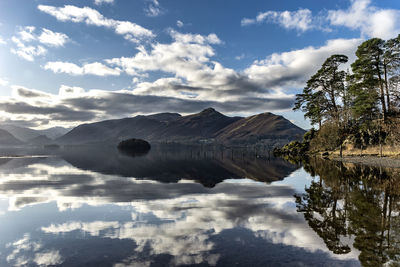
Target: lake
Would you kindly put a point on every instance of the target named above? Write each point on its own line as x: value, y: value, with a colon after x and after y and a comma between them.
x: 193, y: 207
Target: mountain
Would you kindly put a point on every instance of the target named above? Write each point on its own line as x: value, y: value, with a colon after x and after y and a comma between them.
x: 21, y: 133
x: 26, y: 134
x: 54, y: 132
x: 40, y: 140
x: 208, y: 126
x: 265, y: 126
x: 8, y: 139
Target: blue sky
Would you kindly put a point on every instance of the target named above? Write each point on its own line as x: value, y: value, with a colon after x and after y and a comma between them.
x: 68, y: 62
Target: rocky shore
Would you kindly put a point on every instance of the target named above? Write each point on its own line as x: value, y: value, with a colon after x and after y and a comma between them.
x: 374, y: 161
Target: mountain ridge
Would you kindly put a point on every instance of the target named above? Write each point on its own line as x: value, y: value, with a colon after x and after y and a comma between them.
x: 26, y: 134
x: 8, y: 139
x: 207, y: 126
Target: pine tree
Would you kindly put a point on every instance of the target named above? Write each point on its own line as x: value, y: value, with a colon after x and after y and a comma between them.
x: 319, y: 99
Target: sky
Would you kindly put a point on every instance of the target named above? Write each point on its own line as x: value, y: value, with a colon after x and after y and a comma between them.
x: 63, y: 63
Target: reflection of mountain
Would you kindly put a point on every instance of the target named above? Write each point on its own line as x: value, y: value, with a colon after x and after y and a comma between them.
x: 206, y: 126
x: 206, y: 167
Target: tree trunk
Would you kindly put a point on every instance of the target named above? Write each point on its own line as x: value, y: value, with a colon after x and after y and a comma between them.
x: 387, y: 89
x: 382, y: 96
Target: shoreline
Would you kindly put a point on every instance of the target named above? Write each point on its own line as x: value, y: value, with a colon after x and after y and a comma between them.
x: 373, y: 161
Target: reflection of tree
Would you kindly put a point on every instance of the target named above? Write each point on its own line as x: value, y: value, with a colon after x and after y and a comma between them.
x: 321, y: 210
x: 354, y: 201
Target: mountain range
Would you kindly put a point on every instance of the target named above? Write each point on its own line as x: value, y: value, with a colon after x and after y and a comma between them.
x: 207, y: 126
x: 26, y: 134
x: 8, y: 139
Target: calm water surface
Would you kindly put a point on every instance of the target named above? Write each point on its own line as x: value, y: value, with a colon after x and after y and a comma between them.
x: 189, y: 207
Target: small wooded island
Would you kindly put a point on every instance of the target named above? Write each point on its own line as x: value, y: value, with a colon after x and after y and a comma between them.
x: 134, y: 146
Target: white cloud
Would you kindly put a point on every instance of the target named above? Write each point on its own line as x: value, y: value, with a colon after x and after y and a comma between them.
x: 3, y: 82
x: 247, y: 21
x: 26, y: 33
x: 100, y: 2
x: 240, y: 57
x: 95, y: 68
x: 29, y: 52
x: 129, y: 30
x: 300, y: 20
x: 29, y: 44
x: 51, y: 38
x: 179, y: 23
x: 153, y: 8
x: 100, y: 69
x: 212, y: 38
x: 294, y: 68
x: 370, y: 20
x: 64, y: 67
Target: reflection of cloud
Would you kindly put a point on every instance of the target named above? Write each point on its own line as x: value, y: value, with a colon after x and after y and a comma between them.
x: 189, y: 221
x: 51, y: 257
x: 183, y: 220
x: 25, y: 252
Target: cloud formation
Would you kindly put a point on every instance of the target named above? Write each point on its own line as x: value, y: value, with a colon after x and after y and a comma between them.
x: 179, y: 23
x: 129, y: 30
x: 368, y: 19
x: 192, y: 81
x: 361, y: 15
x: 51, y: 38
x: 29, y: 44
x: 293, y: 69
x: 153, y: 8
x: 300, y: 20
x: 95, y: 68
x: 3, y: 82
x: 100, y: 2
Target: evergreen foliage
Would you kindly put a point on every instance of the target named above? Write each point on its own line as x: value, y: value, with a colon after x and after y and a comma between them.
x: 362, y: 102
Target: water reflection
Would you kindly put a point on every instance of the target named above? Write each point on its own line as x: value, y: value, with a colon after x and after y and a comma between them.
x: 360, y: 203
x: 170, y: 164
x: 184, y: 207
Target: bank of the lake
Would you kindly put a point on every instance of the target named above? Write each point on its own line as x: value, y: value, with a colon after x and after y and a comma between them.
x: 374, y: 161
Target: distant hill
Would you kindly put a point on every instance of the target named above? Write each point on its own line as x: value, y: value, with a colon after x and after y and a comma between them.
x: 7, y: 139
x: 207, y: 126
x: 26, y: 134
x: 40, y: 140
